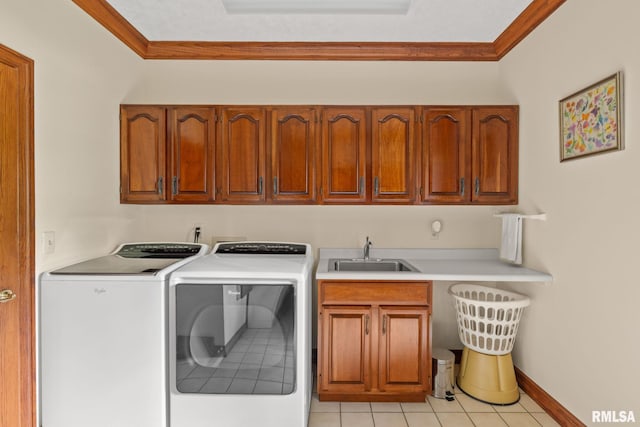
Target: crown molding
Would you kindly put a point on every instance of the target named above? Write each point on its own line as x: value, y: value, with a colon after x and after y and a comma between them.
x: 526, y: 22
x: 339, y: 51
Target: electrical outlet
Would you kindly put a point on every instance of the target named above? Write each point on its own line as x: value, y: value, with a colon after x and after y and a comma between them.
x: 198, y: 231
x: 49, y: 242
x: 436, y: 228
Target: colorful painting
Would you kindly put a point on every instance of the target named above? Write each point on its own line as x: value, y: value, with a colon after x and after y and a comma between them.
x: 590, y: 120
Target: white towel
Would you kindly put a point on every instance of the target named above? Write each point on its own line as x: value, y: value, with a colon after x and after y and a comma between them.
x: 511, y: 246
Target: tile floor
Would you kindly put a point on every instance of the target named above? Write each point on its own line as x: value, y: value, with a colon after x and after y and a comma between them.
x: 262, y: 361
x: 463, y: 412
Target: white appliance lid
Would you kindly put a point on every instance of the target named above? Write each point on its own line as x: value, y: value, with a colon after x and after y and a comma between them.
x: 135, y: 258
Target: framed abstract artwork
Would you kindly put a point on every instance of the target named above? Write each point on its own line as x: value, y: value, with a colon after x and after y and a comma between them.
x: 591, y: 119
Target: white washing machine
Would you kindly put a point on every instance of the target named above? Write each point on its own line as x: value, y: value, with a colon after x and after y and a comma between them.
x: 240, y: 337
x: 103, y: 337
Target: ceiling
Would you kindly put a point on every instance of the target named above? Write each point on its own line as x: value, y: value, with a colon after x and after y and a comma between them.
x: 430, y: 30
x: 426, y: 21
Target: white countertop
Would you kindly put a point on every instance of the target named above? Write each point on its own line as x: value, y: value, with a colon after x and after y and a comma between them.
x: 434, y: 264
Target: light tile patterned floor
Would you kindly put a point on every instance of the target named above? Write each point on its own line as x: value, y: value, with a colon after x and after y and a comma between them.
x: 463, y: 412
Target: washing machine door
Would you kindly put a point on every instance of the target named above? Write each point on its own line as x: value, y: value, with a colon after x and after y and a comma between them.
x: 235, y: 338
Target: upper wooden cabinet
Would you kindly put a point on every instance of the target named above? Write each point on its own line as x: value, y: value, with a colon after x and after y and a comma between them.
x: 344, y: 155
x: 470, y: 155
x: 495, y: 155
x: 446, y: 142
x: 315, y: 154
x: 192, y: 154
x: 294, y: 142
x: 243, y: 156
x: 392, y: 154
x: 167, y: 153
x: 142, y: 154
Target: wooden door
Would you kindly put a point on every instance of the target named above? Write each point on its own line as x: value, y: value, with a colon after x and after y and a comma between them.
x: 345, y: 364
x: 495, y: 155
x: 344, y: 155
x: 294, y: 143
x: 446, y: 146
x: 392, y: 155
x: 192, y: 163
x: 142, y: 154
x: 17, y: 326
x: 243, y: 162
x: 405, y: 365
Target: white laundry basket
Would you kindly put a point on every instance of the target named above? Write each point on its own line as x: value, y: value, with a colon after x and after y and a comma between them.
x: 488, y: 318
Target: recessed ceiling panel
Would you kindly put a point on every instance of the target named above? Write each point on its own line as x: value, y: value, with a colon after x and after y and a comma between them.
x: 425, y: 21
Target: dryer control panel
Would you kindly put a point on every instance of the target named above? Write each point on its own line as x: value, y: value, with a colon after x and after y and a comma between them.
x: 261, y: 248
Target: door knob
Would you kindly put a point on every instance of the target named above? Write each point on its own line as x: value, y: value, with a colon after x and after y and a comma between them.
x: 7, y: 295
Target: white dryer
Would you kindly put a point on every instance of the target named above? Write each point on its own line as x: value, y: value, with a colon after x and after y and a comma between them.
x: 103, y: 329
x: 240, y: 337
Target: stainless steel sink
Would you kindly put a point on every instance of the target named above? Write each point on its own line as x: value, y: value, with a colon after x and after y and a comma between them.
x: 370, y: 265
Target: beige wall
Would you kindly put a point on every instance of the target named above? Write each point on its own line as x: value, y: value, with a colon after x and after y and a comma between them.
x: 81, y: 75
x: 579, y: 339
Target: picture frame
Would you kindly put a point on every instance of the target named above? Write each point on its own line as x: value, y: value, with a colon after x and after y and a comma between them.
x: 591, y: 120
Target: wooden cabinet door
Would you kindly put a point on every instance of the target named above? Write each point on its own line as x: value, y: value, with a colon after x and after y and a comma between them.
x: 404, y: 350
x: 392, y: 155
x: 192, y: 152
x: 446, y: 144
x: 142, y: 154
x: 243, y: 159
x: 344, y: 155
x: 495, y: 155
x: 294, y: 144
x: 345, y: 349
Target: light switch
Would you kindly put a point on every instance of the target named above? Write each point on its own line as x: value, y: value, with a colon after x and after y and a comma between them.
x: 49, y: 242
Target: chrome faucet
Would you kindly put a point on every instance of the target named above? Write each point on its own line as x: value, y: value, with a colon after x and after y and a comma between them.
x: 367, y: 248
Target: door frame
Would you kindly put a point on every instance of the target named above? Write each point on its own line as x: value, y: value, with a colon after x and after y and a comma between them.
x: 26, y: 252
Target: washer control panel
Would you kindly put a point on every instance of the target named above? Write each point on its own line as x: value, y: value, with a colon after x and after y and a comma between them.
x: 159, y: 250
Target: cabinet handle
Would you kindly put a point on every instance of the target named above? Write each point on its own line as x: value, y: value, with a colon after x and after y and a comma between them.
x: 160, y: 182
x: 384, y: 324
x: 275, y: 185
x: 462, y: 186
x: 361, y: 187
x: 260, y: 185
x: 174, y: 185
x: 477, y: 190
x: 366, y: 324
x: 376, y: 185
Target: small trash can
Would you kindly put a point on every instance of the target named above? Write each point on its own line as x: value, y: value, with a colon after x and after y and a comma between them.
x: 442, y: 373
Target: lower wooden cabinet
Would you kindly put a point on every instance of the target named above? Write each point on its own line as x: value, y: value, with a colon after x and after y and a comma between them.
x: 346, y: 350
x: 403, y: 348
x: 373, y: 341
